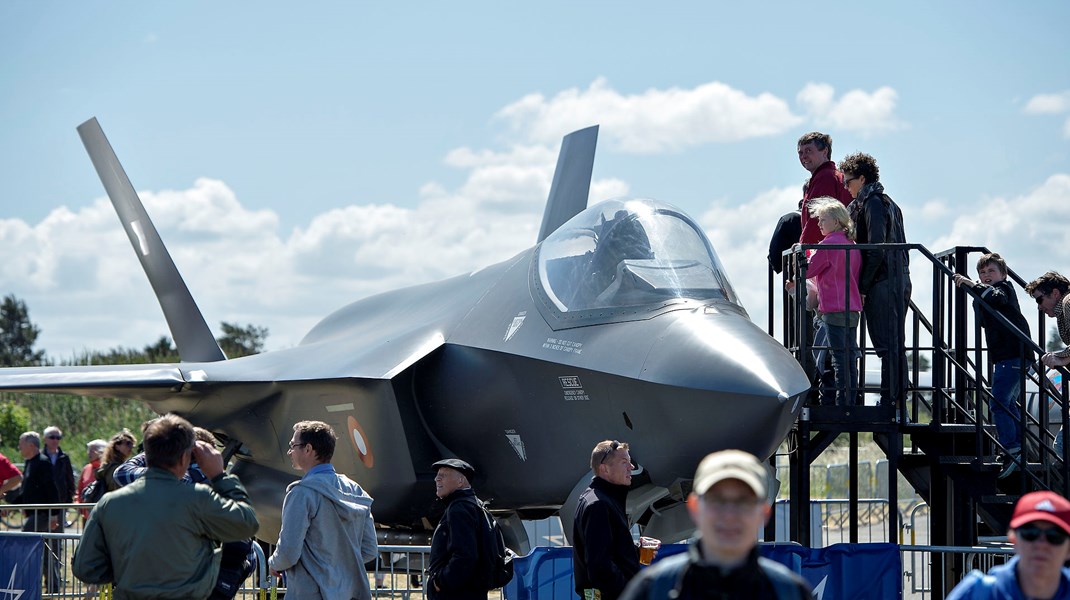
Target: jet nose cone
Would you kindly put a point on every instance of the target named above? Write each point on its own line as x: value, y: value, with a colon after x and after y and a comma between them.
x: 721, y: 382
x: 723, y: 351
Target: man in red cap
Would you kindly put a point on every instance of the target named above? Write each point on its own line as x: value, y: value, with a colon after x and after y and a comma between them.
x: 1040, y: 532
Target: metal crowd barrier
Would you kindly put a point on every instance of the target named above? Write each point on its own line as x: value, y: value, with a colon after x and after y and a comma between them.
x: 918, y: 561
x: 397, y: 573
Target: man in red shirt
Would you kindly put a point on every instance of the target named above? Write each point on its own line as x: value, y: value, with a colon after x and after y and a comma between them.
x: 10, y: 476
x: 815, y: 155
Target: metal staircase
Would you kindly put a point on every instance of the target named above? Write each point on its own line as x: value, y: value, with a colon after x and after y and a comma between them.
x: 941, y: 439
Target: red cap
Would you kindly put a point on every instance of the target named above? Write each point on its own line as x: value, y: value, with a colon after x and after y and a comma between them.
x: 1042, y: 506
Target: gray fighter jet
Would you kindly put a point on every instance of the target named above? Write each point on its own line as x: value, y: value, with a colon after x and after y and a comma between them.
x: 620, y: 323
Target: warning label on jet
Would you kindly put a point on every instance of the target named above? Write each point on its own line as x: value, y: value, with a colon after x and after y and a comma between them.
x: 572, y: 388
x: 570, y: 381
x: 563, y: 346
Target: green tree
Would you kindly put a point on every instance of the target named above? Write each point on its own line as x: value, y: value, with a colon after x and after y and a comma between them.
x: 17, y: 335
x: 923, y: 361
x: 162, y: 351
x: 242, y: 341
x: 14, y: 420
x: 1054, y: 339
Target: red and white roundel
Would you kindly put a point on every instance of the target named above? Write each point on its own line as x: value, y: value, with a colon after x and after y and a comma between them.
x: 360, y: 443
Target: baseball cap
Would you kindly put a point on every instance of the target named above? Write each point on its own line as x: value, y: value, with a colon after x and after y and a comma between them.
x: 1042, y: 506
x: 731, y: 464
x: 457, y: 465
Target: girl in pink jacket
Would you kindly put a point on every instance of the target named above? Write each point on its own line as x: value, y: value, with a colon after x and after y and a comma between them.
x: 836, y: 273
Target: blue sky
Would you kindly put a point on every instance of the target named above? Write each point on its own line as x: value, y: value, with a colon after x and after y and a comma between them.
x: 298, y: 157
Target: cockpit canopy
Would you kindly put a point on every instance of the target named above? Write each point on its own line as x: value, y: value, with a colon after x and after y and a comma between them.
x: 629, y: 253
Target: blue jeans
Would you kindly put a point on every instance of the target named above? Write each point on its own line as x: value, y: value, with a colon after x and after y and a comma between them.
x: 1006, y: 395
x: 842, y: 347
x: 825, y: 379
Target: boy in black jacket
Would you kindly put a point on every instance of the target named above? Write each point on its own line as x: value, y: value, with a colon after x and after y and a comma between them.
x: 1005, y: 352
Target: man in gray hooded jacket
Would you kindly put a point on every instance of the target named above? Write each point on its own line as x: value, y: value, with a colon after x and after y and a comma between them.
x: 327, y: 530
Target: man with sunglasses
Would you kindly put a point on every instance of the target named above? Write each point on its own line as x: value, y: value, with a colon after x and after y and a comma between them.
x: 1040, y: 532
x: 327, y: 530
x: 1052, y: 293
x: 604, y: 556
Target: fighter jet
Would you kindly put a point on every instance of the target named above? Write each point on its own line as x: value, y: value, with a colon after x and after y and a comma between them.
x: 620, y: 323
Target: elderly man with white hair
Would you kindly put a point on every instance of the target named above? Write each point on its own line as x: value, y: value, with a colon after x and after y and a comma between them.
x: 94, y: 451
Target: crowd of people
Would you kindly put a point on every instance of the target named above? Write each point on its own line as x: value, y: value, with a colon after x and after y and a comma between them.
x: 846, y: 204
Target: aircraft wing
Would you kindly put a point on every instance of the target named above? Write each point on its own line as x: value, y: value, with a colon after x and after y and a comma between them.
x: 112, y: 381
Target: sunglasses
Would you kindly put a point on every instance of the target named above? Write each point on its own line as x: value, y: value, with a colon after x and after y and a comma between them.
x: 1032, y: 533
x: 1040, y: 298
x: 612, y: 448
x: 55, y: 437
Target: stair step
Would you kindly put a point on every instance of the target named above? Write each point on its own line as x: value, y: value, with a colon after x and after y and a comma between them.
x: 1008, y: 499
x: 947, y: 427
x: 965, y: 459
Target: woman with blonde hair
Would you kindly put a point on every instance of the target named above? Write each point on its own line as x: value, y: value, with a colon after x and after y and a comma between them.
x: 120, y: 447
x: 835, y: 271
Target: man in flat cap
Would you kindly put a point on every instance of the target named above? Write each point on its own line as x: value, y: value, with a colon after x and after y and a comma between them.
x: 327, y: 529
x: 457, y: 569
x: 729, y: 504
x: 1040, y: 532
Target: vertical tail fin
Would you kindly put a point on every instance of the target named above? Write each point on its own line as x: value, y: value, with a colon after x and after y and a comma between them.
x: 191, y: 334
x: 572, y: 180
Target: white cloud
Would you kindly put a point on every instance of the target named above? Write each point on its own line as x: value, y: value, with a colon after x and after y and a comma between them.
x: 673, y: 119
x: 743, y: 250
x: 1051, y: 104
x: 653, y: 121
x: 1028, y: 230
x: 1048, y: 104
x: 856, y: 110
x: 934, y: 209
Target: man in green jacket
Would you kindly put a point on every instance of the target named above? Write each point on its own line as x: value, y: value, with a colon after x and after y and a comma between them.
x: 159, y: 537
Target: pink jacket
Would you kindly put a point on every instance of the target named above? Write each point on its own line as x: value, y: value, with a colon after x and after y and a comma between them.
x: 828, y: 267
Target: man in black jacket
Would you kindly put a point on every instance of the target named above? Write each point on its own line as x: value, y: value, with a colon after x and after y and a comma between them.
x: 63, y: 474
x: 604, y: 557
x: 39, y: 487
x: 457, y: 569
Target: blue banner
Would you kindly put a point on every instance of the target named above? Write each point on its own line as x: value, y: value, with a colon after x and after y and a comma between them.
x: 842, y: 571
x: 20, y: 567
x: 838, y: 572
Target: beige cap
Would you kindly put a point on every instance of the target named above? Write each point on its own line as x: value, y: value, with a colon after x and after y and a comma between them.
x: 731, y: 464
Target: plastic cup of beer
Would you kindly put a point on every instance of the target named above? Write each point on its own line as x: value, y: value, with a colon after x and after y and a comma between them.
x: 648, y: 547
